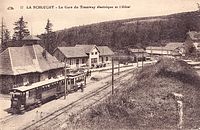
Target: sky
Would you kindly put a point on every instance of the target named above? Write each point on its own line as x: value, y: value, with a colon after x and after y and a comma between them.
x: 62, y: 18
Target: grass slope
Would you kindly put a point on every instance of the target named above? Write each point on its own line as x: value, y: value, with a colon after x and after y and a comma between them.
x: 146, y: 103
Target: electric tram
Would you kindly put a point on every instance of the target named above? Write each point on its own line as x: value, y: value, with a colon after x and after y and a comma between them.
x: 34, y: 95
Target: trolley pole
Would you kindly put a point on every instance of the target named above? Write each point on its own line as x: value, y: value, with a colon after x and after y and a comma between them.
x: 112, y: 75
x: 65, y: 80
x: 137, y: 59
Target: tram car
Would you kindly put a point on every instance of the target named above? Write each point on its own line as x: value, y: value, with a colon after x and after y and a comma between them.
x: 28, y: 97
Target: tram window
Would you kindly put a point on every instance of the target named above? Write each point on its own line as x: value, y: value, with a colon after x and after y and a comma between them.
x: 49, y: 87
x: 72, y: 81
x: 45, y: 88
x: 31, y: 93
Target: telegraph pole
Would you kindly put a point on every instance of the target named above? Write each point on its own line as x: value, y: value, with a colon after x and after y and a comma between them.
x: 142, y: 58
x: 65, y: 80
x: 112, y: 75
x: 137, y: 59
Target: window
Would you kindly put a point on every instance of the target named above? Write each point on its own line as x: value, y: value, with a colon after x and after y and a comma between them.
x: 70, y: 61
x: 83, y: 61
x: 106, y: 58
x: 31, y: 93
x: 95, y: 53
x: 94, y: 60
x: 72, y: 81
x: 77, y: 61
x: 30, y: 78
x: 92, y: 53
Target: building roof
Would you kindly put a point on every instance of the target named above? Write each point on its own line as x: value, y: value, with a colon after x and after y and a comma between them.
x: 170, y: 46
x: 86, y: 48
x: 31, y: 38
x: 26, y: 59
x: 83, y: 50
x: 154, y: 48
x: 136, y: 50
x: 173, y: 45
x: 193, y: 35
x: 105, y: 50
x: 71, y: 52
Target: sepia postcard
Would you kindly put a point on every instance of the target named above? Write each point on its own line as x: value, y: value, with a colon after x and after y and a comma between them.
x: 99, y: 64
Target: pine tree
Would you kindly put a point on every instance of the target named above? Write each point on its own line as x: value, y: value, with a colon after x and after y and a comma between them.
x: 5, y: 36
x: 48, y: 27
x: 48, y: 36
x: 20, y: 31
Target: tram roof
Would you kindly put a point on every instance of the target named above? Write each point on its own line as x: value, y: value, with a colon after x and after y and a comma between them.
x: 45, y: 82
x: 74, y: 74
x: 37, y: 84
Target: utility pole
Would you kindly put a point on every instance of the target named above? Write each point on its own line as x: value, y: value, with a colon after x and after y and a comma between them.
x: 65, y: 80
x: 85, y: 78
x: 142, y: 58
x: 112, y: 75
x: 118, y: 67
x: 137, y: 59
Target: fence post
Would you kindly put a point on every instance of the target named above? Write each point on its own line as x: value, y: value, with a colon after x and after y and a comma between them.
x: 180, y: 105
x: 179, y: 99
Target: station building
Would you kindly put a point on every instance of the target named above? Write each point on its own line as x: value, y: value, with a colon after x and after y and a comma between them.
x: 170, y: 49
x: 193, y: 38
x: 84, y: 55
x: 26, y: 65
x: 138, y: 54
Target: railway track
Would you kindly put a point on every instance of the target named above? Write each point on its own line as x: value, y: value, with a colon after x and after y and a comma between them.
x: 7, y: 118
x: 96, y: 101
x: 53, y: 118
